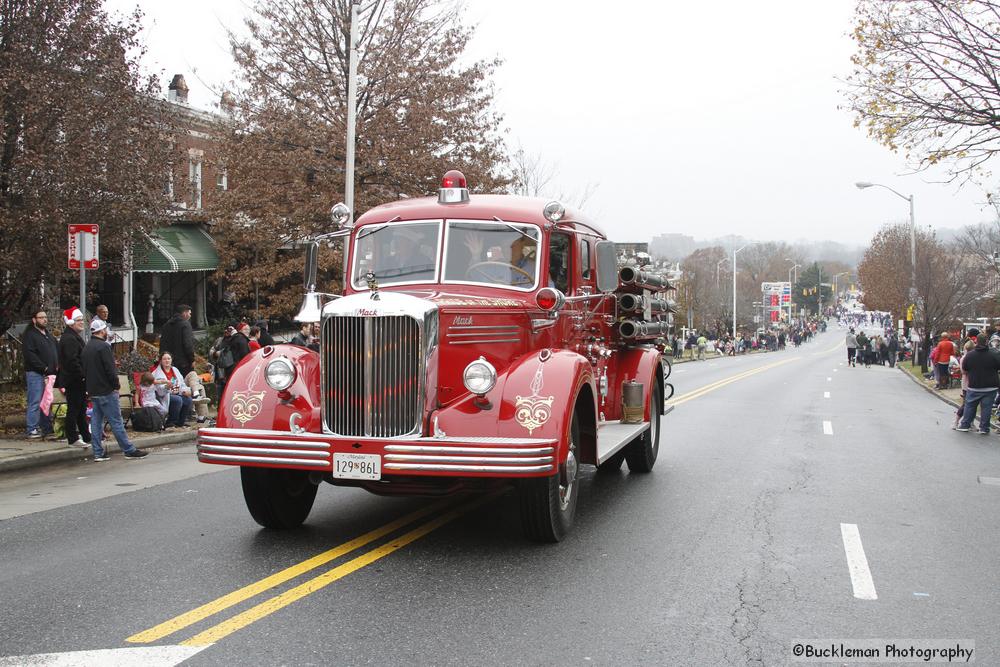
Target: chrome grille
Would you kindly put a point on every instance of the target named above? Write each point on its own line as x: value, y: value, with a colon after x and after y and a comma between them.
x: 372, y: 370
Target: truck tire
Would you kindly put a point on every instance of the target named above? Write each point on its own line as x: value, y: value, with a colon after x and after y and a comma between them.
x: 548, y: 504
x: 276, y: 498
x: 641, y: 454
x: 614, y: 464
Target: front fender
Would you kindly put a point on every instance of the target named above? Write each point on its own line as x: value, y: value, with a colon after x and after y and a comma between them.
x: 248, y: 402
x: 532, y: 399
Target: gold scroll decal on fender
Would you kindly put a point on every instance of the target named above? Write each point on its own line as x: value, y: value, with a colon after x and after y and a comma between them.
x: 533, y: 411
x: 245, y: 405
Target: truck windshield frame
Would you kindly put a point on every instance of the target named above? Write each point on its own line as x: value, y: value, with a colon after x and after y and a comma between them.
x: 489, y: 244
x: 398, y: 253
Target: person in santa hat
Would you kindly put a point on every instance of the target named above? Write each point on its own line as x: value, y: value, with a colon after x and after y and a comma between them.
x: 71, y: 378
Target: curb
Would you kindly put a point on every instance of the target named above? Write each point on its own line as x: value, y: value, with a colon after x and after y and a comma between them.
x: 67, y: 453
x: 929, y: 390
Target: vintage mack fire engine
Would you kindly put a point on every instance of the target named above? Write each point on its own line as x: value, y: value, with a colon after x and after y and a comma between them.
x: 479, y: 340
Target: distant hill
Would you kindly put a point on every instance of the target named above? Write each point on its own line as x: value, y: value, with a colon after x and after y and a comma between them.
x: 675, y: 247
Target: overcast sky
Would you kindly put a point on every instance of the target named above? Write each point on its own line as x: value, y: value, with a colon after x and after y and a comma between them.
x: 705, y: 118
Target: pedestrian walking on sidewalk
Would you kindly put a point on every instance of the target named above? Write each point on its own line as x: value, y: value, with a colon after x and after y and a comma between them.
x: 71, y: 380
x: 852, y: 347
x: 982, y: 368
x: 702, y: 345
x: 41, y: 359
x: 893, y: 347
x: 102, y: 385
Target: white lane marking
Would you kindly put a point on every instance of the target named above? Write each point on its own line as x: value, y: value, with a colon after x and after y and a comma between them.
x: 827, y: 428
x: 829, y: 379
x: 147, y: 656
x: 857, y: 563
x: 826, y: 394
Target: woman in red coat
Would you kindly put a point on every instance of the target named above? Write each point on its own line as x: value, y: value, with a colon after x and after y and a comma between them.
x: 941, y: 355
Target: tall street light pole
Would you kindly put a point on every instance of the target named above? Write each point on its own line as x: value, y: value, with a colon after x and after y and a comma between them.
x: 352, y: 100
x: 736, y: 252
x: 791, y: 287
x: 913, y: 234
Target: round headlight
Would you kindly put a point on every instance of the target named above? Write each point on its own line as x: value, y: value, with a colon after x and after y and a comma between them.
x: 280, y: 374
x: 479, y: 376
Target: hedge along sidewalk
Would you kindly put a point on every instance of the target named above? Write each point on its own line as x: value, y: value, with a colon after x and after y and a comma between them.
x: 20, y: 453
x: 952, y: 396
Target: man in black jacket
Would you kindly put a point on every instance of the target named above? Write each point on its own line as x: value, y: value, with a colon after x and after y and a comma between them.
x: 981, y: 367
x: 102, y: 385
x: 177, y: 338
x: 239, y: 344
x: 71, y: 379
x: 41, y: 359
x: 265, y: 336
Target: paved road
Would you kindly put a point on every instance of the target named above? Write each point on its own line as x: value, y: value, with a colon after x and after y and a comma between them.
x: 730, y: 550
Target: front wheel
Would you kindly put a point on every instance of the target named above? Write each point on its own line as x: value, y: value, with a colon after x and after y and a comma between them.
x: 548, y: 504
x: 277, y: 498
x: 641, y: 454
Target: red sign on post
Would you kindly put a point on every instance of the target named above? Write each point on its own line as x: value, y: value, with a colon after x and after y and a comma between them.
x: 84, y: 246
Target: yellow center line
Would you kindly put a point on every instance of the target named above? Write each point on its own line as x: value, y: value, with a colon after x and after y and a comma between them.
x: 268, y: 607
x: 215, y: 606
x: 701, y: 391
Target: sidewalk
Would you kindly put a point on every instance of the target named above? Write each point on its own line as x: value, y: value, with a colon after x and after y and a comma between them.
x: 951, y: 396
x: 20, y: 453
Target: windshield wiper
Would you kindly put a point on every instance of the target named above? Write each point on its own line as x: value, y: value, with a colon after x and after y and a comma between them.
x: 368, y: 231
x: 516, y: 229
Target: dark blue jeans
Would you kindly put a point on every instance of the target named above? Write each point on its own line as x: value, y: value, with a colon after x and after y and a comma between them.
x: 978, y: 398
x: 35, y: 418
x: 107, y: 407
x: 179, y: 410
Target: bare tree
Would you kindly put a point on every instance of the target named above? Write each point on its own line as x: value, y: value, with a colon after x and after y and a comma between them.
x: 534, y: 176
x: 949, y: 279
x: 421, y: 112
x: 924, y: 80
x: 81, y: 140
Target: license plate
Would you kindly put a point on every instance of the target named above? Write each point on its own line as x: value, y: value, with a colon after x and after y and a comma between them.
x: 357, y: 466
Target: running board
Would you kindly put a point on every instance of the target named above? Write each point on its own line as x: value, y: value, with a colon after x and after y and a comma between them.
x: 613, y: 436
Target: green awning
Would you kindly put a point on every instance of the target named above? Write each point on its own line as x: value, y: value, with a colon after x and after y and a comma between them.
x: 177, y: 248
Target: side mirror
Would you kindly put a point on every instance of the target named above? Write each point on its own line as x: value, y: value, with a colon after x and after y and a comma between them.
x: 607, y: 267
x: 312, y: 265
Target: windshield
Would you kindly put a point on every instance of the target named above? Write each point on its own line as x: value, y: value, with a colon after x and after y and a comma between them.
x: 402, y: 252
x: 492, y: 253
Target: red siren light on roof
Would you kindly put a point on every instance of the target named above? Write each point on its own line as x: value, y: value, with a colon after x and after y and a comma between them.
x: 454, y: 179
x: 454, y: 189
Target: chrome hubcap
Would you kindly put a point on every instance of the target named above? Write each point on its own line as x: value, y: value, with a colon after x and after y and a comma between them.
x: 567, y: 479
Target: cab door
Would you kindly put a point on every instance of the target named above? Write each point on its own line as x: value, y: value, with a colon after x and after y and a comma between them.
x: 561, y: 273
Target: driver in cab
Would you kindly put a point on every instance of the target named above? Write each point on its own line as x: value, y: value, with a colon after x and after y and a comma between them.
x: 496, y: 266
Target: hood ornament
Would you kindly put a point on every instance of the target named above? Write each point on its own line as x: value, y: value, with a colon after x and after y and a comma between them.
x: 372, y: 285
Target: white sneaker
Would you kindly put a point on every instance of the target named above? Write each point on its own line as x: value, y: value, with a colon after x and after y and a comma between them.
x: 80, y: 443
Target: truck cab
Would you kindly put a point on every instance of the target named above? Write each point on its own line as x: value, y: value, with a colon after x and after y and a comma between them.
x: 478, y: 341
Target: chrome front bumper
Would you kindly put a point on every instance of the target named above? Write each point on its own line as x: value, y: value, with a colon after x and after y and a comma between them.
x: 439, y: 457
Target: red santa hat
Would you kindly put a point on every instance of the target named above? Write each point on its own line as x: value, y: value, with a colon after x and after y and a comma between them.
x: 71, y: 314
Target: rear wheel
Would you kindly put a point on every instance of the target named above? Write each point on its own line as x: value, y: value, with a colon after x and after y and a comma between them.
x: 277, y: 498
x: 641, y: 454
x: 548, y: 504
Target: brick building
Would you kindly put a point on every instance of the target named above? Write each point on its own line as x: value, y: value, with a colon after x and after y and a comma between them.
x: 175, y: 263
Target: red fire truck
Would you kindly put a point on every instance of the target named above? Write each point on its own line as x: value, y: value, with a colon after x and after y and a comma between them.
x: 479, y: 340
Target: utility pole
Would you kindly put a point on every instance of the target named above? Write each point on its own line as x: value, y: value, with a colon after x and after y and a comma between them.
x: 352, y: 100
